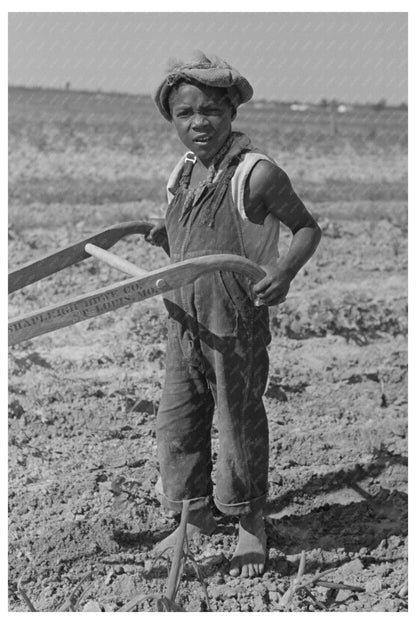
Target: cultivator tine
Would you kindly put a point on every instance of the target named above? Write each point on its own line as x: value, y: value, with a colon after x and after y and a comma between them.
x: 129, y: 291
x: 65, y: 257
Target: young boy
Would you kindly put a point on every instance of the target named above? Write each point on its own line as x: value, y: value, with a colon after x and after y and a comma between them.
x: 225, y: 197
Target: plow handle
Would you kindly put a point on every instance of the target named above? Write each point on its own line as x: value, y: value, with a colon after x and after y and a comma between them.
x: 123, y: 293
x: 65, y: 257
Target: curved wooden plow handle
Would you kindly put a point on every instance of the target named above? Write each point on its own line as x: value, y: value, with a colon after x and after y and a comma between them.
x: 52, y: 263
x: 123, y: 293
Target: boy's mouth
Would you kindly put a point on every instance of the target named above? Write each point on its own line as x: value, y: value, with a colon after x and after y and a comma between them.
x: 203, y: 139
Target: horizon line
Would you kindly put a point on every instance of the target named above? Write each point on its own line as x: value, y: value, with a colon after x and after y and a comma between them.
x: 328, y: 100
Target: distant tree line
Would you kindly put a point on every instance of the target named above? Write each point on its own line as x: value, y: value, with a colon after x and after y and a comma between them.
x: 378, y: 106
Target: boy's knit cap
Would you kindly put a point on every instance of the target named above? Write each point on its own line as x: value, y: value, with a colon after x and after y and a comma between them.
x: 211, y: 71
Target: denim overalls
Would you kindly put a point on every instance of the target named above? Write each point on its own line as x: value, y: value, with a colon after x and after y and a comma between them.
x: 216, y: 357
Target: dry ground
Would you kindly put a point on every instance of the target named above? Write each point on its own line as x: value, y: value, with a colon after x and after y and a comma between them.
x: 83, y: 400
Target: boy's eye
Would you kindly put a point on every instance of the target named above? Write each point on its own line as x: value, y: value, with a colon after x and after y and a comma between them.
x: 185, y: 112
x: 212, y: 111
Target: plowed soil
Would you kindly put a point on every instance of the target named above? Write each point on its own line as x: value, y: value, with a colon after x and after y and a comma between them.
x: 83, y: 402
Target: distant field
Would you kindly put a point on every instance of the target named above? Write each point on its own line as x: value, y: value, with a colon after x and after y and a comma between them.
x: 265, y: 121
x: 96, y: 148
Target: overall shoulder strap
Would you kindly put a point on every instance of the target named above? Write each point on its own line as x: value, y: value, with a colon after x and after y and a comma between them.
x: 220, y: 191
x: 189, y: 162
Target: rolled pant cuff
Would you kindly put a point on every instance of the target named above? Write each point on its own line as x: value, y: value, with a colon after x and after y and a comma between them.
x: 243, y: 508
x: 176, y: 505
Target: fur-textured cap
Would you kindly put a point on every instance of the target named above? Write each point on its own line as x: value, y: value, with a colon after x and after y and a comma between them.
x: 210, y: 71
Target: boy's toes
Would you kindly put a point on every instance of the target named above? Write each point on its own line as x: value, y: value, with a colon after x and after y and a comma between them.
x: 235, y: 567
x: 238, y: 567
x: 258, y: 569
x: 252, y: 569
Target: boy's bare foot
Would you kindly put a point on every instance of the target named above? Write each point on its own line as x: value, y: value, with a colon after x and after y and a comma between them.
x: 250, y: 555
x: 201, y: 521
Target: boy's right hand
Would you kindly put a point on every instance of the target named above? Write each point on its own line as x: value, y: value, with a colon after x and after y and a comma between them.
x: 158, y: 235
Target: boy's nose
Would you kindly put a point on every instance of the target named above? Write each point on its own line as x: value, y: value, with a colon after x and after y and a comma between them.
x: 199, y: 121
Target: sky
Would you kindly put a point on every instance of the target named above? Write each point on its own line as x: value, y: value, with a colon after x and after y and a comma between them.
x: 354, y: 57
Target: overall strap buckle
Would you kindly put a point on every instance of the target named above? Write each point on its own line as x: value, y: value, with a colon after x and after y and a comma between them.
x: 190, y: 157
x: 189, y: 162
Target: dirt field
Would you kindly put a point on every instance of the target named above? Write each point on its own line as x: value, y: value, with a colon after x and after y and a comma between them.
x: 83, y: 400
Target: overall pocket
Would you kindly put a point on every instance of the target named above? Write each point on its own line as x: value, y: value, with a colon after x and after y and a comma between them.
x: 222, y: 304
x: 238, y: 291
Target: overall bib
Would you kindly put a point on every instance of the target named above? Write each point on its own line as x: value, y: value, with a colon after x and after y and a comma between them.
x: 216, y: 358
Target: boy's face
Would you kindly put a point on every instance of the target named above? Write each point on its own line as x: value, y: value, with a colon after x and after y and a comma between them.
x: 202, y: 117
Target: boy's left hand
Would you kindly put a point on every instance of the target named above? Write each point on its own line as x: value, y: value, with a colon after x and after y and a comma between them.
x: 273, y: 288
